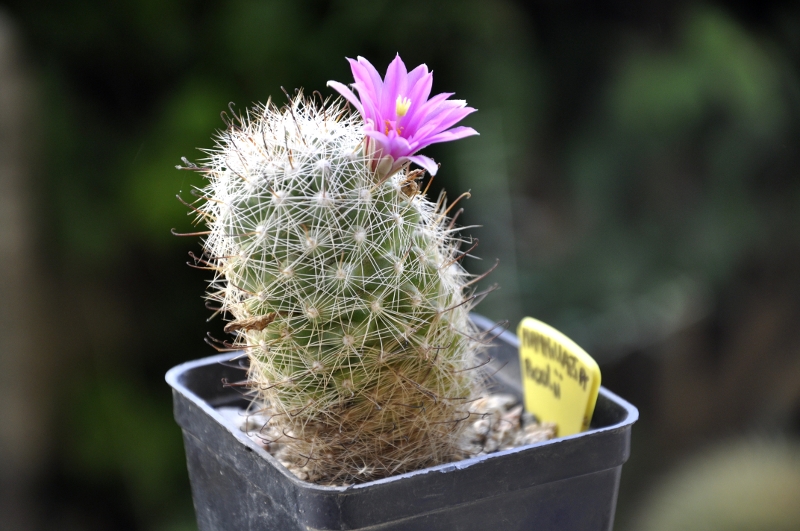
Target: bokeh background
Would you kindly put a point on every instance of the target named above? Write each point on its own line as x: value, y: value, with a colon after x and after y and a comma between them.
x: 636, y: 175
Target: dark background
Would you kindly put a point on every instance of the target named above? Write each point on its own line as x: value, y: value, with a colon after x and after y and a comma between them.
x: 636, y: 174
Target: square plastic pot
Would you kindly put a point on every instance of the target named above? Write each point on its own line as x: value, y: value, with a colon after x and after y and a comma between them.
x: 565, y: 484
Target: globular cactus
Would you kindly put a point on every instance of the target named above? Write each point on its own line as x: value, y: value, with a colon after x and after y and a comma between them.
x: 343, y: 281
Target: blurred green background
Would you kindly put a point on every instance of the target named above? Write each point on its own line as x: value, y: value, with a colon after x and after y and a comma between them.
x: 636, y: 175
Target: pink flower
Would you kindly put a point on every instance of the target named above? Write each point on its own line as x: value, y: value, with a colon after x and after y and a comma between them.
x: 399, y: 118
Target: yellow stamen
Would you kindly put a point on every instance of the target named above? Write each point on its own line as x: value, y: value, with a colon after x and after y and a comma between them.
x: 402, y: 106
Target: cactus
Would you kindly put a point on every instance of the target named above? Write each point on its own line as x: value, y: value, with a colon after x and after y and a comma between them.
x: 342, y: 281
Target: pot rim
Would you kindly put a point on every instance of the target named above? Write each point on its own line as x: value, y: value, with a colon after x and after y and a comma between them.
x: 176, y: 375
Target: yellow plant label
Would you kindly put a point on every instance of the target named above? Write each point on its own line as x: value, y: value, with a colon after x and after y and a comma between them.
x: 560, y: 380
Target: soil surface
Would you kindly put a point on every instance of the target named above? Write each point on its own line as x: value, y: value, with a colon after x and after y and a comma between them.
x: 500, y: 424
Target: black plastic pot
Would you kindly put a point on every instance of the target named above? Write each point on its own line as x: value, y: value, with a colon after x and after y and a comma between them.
x: 566, y: 484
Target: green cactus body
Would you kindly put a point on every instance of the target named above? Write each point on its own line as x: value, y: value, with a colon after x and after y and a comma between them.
x: 345, y: 291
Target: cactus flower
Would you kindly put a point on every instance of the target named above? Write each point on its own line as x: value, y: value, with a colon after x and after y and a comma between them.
x: 399, y: 117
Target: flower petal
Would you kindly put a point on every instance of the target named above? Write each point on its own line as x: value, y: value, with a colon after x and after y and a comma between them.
x: 415, y: 75
x: 442, y: 121
x: 426, y: 162
x: 394, y: 82
x: 449, y: 135
x: 365, y: 73
x: 419, y: 114
x: 348, y: 95
x: 418, y: 94
x: 390, y: 144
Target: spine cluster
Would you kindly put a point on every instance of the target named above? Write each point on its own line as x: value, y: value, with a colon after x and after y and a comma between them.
x: 345, y: 290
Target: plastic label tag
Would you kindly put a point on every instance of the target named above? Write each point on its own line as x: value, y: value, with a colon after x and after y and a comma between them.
x: 560, y: 380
